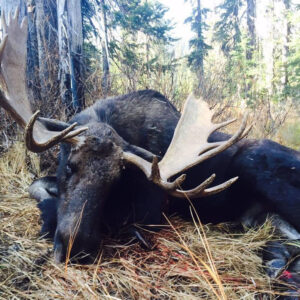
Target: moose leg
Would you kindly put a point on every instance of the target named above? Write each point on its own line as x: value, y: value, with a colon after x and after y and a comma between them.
x: 281, y: 258
x: 45, y: 191
x: 280, y: 262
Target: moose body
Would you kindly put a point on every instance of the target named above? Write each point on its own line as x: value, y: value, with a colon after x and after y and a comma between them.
x: 268, y: 172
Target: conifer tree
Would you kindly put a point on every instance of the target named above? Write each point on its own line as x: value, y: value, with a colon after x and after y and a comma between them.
x: 198, y: 45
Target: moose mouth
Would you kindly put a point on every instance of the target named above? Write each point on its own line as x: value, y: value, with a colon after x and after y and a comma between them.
x: 74, y: 251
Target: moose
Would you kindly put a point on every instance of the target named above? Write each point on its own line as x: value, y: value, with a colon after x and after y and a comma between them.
x: 131, y: 158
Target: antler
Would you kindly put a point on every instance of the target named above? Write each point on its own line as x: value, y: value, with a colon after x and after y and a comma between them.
x: 14, y: 98
x: 188, y: 148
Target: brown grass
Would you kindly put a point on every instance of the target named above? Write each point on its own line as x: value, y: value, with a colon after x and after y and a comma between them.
x: 188, y: 260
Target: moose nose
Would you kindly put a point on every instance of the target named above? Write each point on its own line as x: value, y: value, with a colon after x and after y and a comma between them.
x: 59, y: 249
x: 82, y: 247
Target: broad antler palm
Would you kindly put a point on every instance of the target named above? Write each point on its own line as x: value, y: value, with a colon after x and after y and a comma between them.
x: 188, y: 148
x: 14, y: 97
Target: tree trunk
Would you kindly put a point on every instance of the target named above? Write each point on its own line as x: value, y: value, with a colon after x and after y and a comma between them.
x: 105, y: 82
x: 200, y: 66
x: 46, y: 26
x: 287, y: 4
x: 70, y: 42
x: 237, y: 33
x: 32, y: 55
x: 273, y: 85
x: 251, y: 16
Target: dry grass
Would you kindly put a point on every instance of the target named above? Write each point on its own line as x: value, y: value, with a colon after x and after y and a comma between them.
x: 188, y: 261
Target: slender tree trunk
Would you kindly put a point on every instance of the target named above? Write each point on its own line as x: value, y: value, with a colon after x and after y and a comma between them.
x: 251, y: 45
x: 200, y: 72
x: 237, y: 34
x: 105, y: 82
x: 251, y: 16
x: 70, y: 42
x: 273, y: 86
x: 32, y: 55
x: 147, y: 57
x: 287, y: 4
x: 46, y: 26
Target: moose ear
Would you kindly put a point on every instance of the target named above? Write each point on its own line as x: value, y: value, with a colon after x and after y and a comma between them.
x: 145, y: 154
x: 53, y: 125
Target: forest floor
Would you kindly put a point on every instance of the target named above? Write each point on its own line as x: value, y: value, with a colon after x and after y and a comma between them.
x: 188, y: 260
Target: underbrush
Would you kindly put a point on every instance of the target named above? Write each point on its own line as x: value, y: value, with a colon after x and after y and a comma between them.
x: 188, y: 260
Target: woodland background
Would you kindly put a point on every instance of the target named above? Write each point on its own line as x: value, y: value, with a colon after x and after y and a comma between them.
x: 83, y: 50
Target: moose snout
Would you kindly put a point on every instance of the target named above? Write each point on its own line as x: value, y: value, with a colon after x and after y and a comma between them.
x: 81, y: 246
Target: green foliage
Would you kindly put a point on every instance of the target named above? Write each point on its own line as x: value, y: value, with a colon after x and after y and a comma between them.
x: 145, y: 17
x: 227, y: 29
x: 138, y: 37
x: 293, y: 64
x: 199, y: 48
x: 143, y: 37
x: 88, y: 10
x: 293, y: 89
x: 290, y: 134
x: 90, y: 51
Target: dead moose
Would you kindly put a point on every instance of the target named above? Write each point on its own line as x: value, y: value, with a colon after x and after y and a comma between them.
x: 122, y: 162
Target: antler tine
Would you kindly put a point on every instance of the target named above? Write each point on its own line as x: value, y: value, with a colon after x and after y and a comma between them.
x: 202, y: 190
x: 221, y: 146
x: 219, y: 188
x: 156, y: 178
x: 220, y: 125
x: 13, y: 53
x: 17, y: 13
x: 2, y: 46
x: 35, y: 146
x: 3, y: 21
x: 197, y: 191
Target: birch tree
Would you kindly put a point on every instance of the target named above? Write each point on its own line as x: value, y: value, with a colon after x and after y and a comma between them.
x: 105, y: 82
x: 46, y: 28
x: 70, y: 42
x: 287, y: 5
x: 251, y: 16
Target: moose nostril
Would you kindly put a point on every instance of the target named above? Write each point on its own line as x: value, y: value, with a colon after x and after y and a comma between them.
x: 58, y: 254
x: 59, y: 250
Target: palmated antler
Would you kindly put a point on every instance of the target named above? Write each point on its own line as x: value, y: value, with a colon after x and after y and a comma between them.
x: 13, y: 93
x: 188, y: 148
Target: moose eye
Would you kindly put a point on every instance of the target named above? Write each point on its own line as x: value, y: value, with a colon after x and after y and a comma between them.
x: 70, y: 169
